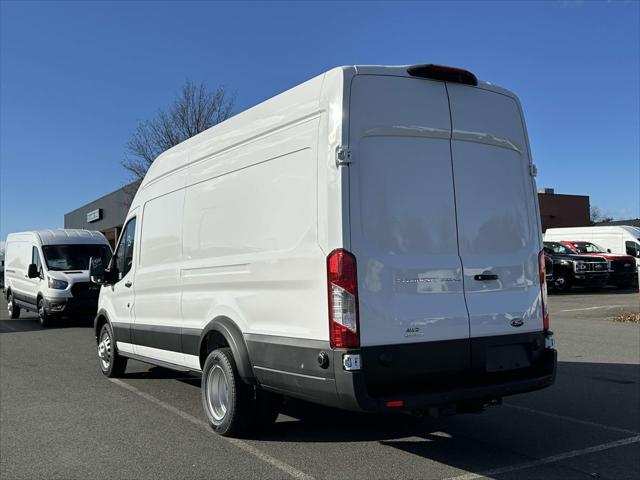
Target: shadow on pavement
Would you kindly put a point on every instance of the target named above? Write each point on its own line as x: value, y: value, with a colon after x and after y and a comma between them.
x: 32, y: 324
x: 160, y: 373
x: 603, y: 393
x: 587, y: 291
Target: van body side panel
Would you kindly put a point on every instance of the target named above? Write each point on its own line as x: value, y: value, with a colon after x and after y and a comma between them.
x: 403, y: 229
x: 157, y: 315
x: 250, y: 239
x: 333, y: 180
x: 285, y: 109
x: 17, y: 260
x: 496, y: 213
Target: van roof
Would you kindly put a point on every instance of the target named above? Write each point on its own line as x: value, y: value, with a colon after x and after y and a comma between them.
x: 301, y: 101
x: 60, y: 236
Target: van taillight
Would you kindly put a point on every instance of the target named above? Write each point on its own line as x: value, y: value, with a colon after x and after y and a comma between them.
x: 543, y: 289
x: 343, y: 300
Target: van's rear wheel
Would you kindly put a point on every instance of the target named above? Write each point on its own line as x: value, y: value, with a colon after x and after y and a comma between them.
x: 12, y: 308
x: 111, y: 363
x: 228, y: 402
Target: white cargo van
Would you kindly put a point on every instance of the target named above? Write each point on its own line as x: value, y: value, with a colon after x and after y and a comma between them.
x: 620, y: 239
x: 369, y: 239
x: 47, y: 271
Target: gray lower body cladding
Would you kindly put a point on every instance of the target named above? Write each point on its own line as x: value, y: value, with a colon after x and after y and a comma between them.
x: 64, y: 306
x: 421, y: 375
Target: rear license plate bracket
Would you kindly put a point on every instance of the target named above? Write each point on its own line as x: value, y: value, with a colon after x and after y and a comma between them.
x: 507, y: 357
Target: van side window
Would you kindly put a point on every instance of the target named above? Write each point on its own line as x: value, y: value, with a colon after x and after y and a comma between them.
x: 124, y: 253
x: 632, y: 248
x: 35, y: 259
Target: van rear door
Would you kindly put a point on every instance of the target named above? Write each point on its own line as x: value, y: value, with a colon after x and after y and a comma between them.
x: 496, y: 212
x: 403, y: 228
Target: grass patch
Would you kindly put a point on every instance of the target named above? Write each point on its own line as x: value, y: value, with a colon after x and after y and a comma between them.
x: 627, y: 318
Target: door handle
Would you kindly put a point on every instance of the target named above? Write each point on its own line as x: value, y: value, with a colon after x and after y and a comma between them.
x: 128, y: 284
x: 483, y: 277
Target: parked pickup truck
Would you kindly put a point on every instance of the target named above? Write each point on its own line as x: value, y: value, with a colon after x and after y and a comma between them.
x: 623, y: 272
x: 570, y: 269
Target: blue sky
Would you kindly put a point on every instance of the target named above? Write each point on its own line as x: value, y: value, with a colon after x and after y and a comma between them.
x: 76, y: 77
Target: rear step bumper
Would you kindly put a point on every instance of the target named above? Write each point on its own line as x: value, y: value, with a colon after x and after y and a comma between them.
x: 468, y: 388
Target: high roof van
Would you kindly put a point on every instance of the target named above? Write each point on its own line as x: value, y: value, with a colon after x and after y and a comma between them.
x: 47, y: 271
x: 368, y: 240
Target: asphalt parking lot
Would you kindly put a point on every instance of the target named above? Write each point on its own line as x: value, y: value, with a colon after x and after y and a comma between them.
x: 60, y: 418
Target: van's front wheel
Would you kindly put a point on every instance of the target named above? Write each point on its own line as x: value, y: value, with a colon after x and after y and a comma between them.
x: 43, y: 316
x: 112, y: 364
x: 228, y: 402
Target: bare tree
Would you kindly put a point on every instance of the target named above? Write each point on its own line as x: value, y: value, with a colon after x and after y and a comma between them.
x: 597, y: 216
x: 194, y: 110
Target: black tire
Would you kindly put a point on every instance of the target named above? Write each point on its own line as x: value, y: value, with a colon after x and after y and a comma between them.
x: 43, y: 316
x: 228, y: 402
x: 12, y: 308
x: 268, y: 406
x: 562, y: 285
x: 111, y: 363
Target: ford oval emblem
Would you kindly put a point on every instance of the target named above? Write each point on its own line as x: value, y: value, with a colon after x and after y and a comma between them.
x: 517, y: 322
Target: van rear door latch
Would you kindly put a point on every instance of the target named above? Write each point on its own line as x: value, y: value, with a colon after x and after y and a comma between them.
x: 343, y: 156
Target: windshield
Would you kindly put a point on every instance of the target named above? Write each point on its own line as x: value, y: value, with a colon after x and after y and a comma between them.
x: 586, y: 247
x: 74, y: 257
x: 554, y: 247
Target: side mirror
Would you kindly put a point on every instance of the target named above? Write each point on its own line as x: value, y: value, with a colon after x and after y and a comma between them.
x: 32, y: 271
x: 608, y: 250
x: 96, y: 271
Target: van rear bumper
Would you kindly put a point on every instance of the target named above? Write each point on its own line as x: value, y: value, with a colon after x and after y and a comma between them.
x: 357, y: 390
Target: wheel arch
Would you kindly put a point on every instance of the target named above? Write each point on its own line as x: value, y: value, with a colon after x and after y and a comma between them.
x: 223, y: 332
x: 99, y: 321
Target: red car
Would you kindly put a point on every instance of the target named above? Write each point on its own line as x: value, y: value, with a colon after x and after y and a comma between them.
x: 623, y: 272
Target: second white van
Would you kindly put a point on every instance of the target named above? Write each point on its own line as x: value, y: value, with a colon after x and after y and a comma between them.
x: 369, y: 240
x: 47, y: 271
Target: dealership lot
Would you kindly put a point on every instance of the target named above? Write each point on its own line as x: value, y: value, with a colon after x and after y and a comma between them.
x: 62, y: 419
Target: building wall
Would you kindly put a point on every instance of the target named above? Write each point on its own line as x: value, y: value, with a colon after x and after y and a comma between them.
x: 113, y: 209
x: 557, y: 210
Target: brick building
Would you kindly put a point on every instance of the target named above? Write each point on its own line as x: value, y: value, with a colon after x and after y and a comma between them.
x: 560, y: 210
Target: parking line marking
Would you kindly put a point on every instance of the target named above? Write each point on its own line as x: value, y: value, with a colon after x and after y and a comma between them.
x: 592, y: 308
x: 572, y: 419
x: 285, y: 467
x: 547, y: 460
